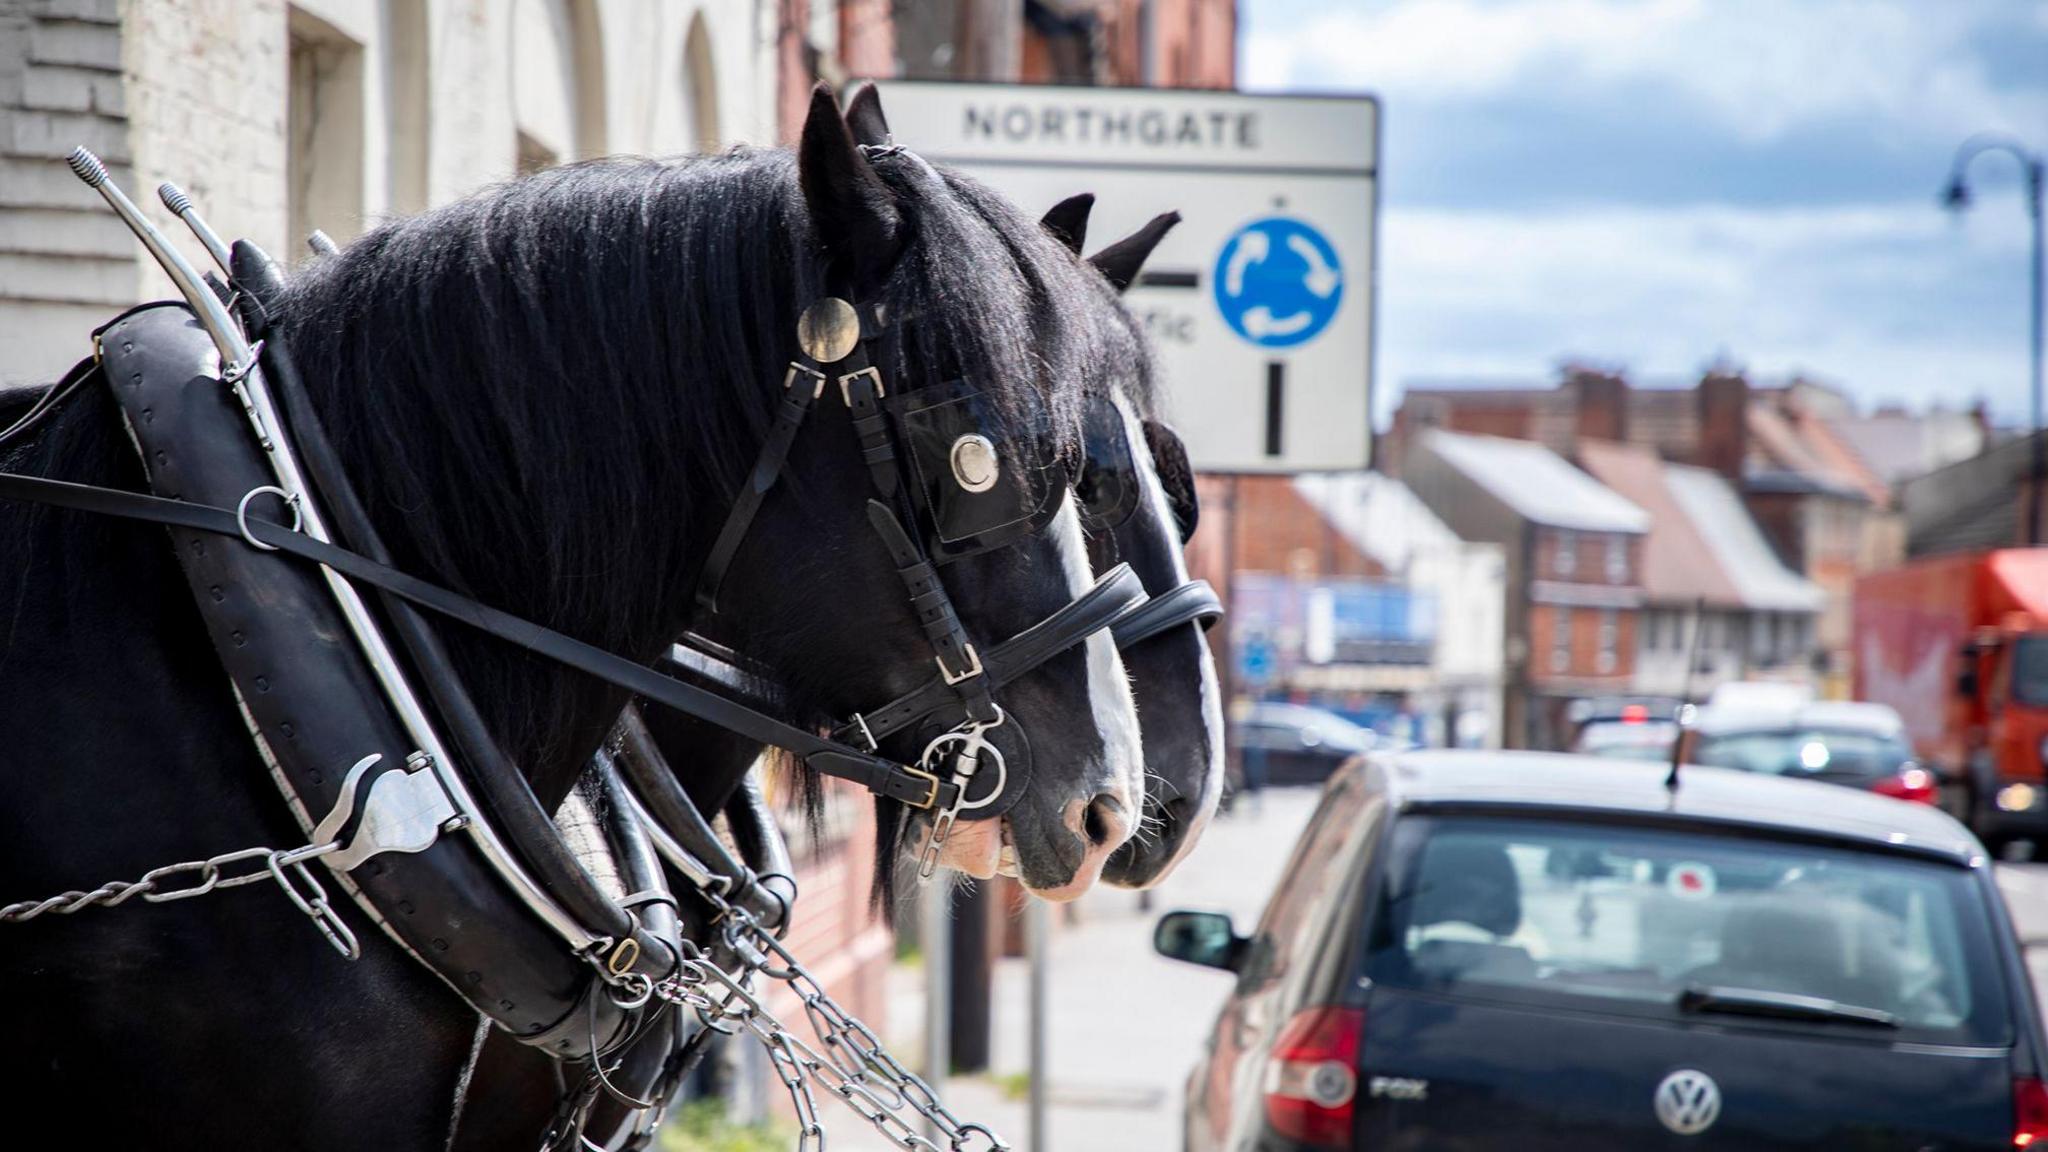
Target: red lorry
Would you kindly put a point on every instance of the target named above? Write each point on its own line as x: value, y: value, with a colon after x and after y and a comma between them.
x: 1959, y: 645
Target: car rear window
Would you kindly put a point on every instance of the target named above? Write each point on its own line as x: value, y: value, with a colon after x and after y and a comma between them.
x: 1639, y: 919
x: 1805, y: 752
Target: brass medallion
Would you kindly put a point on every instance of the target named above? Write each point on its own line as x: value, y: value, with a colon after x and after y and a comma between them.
x: 828, y: 330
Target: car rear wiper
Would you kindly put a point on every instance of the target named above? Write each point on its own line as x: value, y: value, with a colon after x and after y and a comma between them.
x: 1781, y: 1005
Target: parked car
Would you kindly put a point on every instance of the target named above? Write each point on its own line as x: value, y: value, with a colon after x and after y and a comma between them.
x: 1740, y: 963
x: 1299, y: 744
x: 1859, y: 745
x: 1634, y: 738
x: 1591, y: 711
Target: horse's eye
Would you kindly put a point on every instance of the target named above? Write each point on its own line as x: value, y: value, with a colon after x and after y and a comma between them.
x: 1088, y: 486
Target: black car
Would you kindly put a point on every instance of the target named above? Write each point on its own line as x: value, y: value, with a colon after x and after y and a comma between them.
x: 1283, y: 743
x: 1536, y: 952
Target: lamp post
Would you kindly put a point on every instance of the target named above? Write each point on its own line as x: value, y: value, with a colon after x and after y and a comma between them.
x: 1957, y: 198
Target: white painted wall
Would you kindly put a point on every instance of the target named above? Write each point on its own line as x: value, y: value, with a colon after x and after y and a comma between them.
x: 195, y: 91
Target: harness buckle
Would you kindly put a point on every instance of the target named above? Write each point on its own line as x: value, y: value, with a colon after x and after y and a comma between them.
x: 874, y: 376
x: 873, y: 745
x: 931, y: 796
x: 789, y: 378
x: 973, y: 667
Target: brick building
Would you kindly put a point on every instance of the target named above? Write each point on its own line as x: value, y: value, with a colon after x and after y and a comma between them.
x: 1706, y: 567
x: 1816, y: 475
x: 1573, y: 551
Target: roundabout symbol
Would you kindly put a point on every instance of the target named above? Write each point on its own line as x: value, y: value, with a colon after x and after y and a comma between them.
x: 1278, y: 282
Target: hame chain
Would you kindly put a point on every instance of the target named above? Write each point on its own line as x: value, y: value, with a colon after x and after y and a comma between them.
x: 184, y: 880
x: 854, y: 1066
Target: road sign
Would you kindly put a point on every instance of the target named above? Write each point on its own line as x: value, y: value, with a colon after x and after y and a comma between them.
x: 1278, y: 282
x: 1261, y: 302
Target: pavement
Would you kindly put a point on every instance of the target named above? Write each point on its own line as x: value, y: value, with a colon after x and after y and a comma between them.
x: 1126, y: 1025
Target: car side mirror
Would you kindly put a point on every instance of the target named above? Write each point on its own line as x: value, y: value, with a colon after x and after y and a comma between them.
x: 1204, y: 938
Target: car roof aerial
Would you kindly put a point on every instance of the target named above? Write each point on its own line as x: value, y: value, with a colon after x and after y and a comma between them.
x: 1727, y: 799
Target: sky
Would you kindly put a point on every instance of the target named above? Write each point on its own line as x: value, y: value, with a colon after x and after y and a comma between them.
x: 1657, y: 185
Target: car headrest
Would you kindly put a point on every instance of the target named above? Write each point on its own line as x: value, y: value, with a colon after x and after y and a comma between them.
x: 1468, y: 882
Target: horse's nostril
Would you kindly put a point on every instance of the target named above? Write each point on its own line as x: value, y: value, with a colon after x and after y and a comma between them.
x: 1104, y: 821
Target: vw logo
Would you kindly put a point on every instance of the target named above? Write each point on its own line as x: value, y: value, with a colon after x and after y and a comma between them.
x: 1688, y: 1102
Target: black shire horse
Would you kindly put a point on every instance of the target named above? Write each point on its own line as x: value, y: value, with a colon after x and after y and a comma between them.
x: 547, y: 395
x: 1137, y: 494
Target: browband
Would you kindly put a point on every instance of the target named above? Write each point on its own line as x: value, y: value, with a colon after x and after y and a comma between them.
x: 1192, y: 602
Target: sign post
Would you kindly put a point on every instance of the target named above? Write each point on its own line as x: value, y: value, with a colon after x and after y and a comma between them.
x: 1261, y: 302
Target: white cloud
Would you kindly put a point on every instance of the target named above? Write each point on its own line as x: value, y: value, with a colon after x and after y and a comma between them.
x: 1853, y: 295
x: 1758, y: 67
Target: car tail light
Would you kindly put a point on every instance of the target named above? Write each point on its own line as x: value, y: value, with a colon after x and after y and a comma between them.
x: 1312, y: 1078
x: 2029, y: 1113
x: 1635, y: 714
x: 1912, y: 784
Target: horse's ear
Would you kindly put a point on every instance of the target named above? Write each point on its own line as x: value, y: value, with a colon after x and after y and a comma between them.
x: 864, y: 117
x: 1068, y: 221
x: 1121, y: 261
x: 852, y: 212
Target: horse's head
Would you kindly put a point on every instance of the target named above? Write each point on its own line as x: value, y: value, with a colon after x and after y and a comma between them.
x: 983, y: 331
x: 1137, y: 494
x: 551, y: 394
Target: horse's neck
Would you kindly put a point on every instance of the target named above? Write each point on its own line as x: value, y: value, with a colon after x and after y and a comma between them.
x: 111, y: 694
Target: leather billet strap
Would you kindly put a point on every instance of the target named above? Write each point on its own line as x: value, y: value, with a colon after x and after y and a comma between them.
x: 1194, y: 602
x: 909, y: 785
x: 1115, y: 593
x: 800, y: 386
x: 960, y: 667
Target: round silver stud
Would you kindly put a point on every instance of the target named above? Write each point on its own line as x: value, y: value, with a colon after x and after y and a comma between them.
x: 974, y: 463
x: 828, y: 330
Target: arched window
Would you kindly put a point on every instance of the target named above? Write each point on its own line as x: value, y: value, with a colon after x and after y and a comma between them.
x: 700, y: 89
x: 557, y: 77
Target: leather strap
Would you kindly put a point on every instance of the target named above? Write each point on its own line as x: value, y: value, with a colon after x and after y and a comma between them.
x: 800, y: 386
x: 1117, y: 592
x: 960, y: 666
x: 911, y: 786
x: 1193, y: 602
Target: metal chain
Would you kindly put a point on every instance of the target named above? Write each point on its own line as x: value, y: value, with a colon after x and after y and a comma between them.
x: 286, y: 867
x: 854, y: 1065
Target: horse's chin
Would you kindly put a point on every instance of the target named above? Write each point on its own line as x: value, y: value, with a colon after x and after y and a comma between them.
x: 978, y: 848
x: 984, y: 849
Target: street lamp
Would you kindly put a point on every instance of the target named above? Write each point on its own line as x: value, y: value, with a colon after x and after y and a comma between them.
x: 1956, y: 198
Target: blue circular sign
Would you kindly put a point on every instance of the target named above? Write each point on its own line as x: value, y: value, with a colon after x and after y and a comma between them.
x: 1278, y: 282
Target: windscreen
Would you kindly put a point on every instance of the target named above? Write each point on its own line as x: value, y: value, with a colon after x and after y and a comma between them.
x: 1644, y: 919
x: 2030, y: 670
x: 1806, y: 752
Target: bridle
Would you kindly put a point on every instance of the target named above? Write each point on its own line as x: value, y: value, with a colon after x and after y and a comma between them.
x: 838, y: 341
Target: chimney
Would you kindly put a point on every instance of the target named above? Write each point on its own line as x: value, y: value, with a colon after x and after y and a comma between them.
x: 1724, y: 423
x: 1602, y: 404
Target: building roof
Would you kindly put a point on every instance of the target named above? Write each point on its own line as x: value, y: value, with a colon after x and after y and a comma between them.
x: 1538, y: 484
x: 1739, y: 547
x: 1549, y: 782
x: 1702, y: 543
x: 1377, y: 514
x: 1678, y: 564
